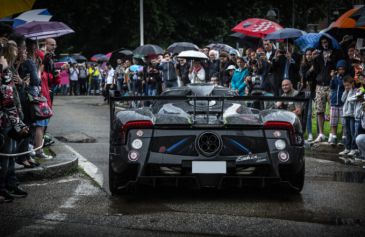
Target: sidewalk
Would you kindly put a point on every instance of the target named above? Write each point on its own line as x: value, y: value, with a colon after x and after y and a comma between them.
x: 64, y: 162
x: 325, y: 151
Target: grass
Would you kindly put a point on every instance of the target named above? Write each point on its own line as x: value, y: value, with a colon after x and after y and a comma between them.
x: 327, y: 128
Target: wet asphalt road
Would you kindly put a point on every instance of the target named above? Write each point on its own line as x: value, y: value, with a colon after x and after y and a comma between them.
x: 331, y: 204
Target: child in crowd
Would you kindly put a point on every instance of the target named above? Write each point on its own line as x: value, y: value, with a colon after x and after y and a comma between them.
x: 348, y: 115
x: 337, y: 89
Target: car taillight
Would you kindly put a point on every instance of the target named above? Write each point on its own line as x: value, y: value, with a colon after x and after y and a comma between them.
x: 281, y: 125
x: 141, y: 124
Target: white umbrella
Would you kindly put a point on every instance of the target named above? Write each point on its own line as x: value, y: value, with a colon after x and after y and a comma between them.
x: 192, y: 54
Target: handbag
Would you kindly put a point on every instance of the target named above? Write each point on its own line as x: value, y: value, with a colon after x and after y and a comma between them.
x: 39, y: 108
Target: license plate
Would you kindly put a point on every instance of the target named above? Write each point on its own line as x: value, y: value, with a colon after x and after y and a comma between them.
x: 209, y: 167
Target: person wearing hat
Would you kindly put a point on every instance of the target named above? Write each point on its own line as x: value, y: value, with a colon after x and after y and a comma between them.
x: 229, y: 72
x: 233, y: 54
x: 336, y: 104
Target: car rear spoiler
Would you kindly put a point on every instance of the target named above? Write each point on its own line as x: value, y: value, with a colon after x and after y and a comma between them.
x: 302, y: 97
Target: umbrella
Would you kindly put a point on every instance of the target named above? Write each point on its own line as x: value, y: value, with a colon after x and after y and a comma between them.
x: 219, y: 47
x: 14, y: 6
x: 359, y: 16
x: 58, y: 65
x: 99, y: 58
x: 108, y: 55
x: 256, y: 27
x: 192, y: 54
x: 32, y: 15
x: 136, y: 68
x: 43, y: 29
x: 285, y: 33
x: 68, y: 59
x: 120, y: 54
x: 148, y: 49
x: 311, y: 40
x: 79, y: 58
x: 361, y: 22
x: 346, y: 25
x: 178, y: 47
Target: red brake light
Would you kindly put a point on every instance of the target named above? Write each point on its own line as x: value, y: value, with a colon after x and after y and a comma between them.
x: 281, y: 125
x: 141, y: 124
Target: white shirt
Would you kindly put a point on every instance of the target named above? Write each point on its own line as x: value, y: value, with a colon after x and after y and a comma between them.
x: 109, y: 78
x: 74, y: 74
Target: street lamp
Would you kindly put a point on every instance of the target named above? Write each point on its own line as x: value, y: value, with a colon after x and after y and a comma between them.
x: 273, y: 13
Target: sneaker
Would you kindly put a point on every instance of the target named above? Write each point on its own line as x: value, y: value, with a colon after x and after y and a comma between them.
x: 7, y: 197
x: 44, y: 156
x: 32, y: 153
x: 332, y: 140
x: 310, y: 138
x: 341, y: 142
x: 320, y: 138
x: 352, y: 153
x: 18, y: 193
x: 329, y: 137
x: 344, y: 152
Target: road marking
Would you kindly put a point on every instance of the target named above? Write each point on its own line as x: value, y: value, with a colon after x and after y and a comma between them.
x: 49, y: 221
x: 67, y: 180
x: 88, y: 167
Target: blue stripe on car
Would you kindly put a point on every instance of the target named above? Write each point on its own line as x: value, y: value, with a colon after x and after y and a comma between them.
x: 239, y: 146
x: 176, y: 145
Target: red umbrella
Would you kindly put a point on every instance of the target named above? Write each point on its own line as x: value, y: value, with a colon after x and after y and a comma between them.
x: 256, y: 27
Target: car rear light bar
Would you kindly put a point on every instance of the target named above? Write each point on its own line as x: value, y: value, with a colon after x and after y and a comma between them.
x: 282, y: 125
x: 140, y: 124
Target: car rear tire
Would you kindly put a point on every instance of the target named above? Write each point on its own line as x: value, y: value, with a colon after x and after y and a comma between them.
x: 117, y: 183
x: 296, y: 181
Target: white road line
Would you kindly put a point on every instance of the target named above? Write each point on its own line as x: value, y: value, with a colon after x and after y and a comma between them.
x: 67, y: 180
x: 88, y: 167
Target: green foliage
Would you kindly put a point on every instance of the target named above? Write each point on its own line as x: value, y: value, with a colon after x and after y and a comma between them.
x: 103, y: 26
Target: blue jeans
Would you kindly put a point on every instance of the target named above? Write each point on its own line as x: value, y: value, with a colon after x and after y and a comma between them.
x: 309, y: 117
x: 350, y: 133
x: 151, y: 90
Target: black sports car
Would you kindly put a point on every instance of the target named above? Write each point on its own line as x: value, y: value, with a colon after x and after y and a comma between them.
x: 204, y: 136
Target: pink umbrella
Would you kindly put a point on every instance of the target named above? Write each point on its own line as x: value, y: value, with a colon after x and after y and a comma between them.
x: 256, y: 27
x: 108, y: 55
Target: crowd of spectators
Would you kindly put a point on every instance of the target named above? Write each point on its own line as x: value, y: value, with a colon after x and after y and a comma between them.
x: 27, y: 76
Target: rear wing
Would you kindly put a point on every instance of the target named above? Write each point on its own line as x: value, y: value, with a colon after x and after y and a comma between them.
x: 256, y: 102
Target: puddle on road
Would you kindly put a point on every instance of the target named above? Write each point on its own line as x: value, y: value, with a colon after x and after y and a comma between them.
x: 349, y: 176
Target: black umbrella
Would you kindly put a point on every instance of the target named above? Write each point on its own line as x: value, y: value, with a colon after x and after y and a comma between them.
x: 219, y: 47
x: 79, y: 58
x: 120, y: 54
x: 148, y: 49
x: 178, y: 47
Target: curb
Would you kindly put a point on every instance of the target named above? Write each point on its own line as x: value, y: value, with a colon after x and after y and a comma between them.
x: 65, y: 162
x: 323, y: 150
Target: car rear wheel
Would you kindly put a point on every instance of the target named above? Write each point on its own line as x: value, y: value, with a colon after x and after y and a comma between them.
x: 296, y: 181
x: 118, y: 183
